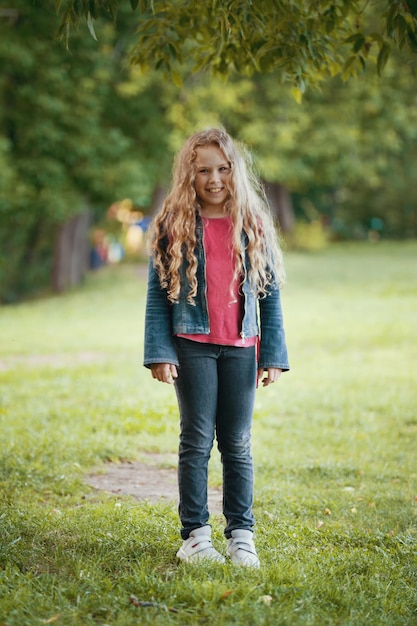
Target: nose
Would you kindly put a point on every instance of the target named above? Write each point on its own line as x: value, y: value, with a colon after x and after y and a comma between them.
x: 214, y: 177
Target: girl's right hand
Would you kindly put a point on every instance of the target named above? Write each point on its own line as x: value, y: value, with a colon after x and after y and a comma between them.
x: 164, y: 372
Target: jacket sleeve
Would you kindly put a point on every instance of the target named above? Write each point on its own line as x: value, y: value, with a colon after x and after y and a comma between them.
x: 272, y: 349
x: 159, y: 341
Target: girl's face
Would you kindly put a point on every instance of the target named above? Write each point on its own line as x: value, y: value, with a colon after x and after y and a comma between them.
x: 211, y: 179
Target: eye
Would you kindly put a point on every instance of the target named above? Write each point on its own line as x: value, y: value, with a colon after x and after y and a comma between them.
x: 203, y: 170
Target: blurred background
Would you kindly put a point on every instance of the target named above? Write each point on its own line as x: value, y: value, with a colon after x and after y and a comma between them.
x: 87, y: 140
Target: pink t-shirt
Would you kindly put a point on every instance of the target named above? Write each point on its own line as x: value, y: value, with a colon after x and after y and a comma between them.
x: 224, y: 301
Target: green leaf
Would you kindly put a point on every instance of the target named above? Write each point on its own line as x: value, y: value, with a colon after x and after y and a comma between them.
x: 400, y: 27
x: 112, y: 9
x: 134, y: 4
x: 383, y: 57
x: 90, y: 26
x: 349, y: 62
x: 349, y: 67
x: 359, y: 43
x: 390, y: 18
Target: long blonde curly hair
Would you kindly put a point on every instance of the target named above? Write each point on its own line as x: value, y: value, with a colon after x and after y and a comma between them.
x: 172, y: 235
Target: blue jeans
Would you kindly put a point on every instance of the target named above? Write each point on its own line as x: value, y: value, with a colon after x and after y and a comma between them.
x: 216, y: 392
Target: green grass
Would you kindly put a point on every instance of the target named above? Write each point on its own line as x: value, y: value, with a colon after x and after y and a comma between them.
x: 334, y: 444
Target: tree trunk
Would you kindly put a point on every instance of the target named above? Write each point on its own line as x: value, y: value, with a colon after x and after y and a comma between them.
x: 158, y: 197
x: 71, y: 255
x: 281, y: 204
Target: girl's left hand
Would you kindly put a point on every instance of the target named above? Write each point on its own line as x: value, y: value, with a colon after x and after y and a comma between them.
x: 272, y: 375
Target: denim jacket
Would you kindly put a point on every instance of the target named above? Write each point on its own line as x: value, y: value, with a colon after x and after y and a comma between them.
x: 163, y: 319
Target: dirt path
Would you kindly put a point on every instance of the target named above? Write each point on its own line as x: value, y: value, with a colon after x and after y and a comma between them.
x: 147, y: 480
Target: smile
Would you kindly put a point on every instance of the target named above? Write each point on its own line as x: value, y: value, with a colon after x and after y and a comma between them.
x: 215, y: 189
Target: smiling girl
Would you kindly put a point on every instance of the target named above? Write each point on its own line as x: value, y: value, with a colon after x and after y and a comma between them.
x: 214, y: 329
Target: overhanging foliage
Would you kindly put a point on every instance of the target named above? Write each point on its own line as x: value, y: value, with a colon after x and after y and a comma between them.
x: 302, y: 41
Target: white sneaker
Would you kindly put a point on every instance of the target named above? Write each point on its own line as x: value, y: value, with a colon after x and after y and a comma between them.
x: 198, y: 546
x: 241, y: 548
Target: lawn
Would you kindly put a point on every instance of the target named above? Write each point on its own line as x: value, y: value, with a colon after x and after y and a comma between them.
x: 334, y: 445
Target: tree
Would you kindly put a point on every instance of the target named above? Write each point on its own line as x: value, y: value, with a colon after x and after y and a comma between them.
x: 71, y: 140
x: 301, y: 41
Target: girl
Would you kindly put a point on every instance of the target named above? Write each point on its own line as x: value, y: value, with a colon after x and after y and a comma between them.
x: 216, y: 269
